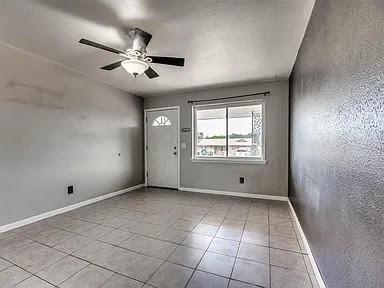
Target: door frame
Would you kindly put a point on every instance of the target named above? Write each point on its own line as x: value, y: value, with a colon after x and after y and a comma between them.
x: 146, y: 141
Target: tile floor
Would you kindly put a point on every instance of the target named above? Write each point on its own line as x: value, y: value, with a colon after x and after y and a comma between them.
x: 159, y: 238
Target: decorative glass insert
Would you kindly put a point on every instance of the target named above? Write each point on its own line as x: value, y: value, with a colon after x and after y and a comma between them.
x: 161, y: 121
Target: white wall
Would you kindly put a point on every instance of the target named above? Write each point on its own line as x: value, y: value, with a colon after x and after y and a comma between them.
x: 59, y: 128
x: 269, y: 179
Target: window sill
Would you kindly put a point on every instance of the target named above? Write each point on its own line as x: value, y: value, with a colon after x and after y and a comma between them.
x: 233, y: 161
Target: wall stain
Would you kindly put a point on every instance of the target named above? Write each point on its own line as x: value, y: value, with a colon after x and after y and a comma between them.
x: 40, y: 98
x: 42, y: 90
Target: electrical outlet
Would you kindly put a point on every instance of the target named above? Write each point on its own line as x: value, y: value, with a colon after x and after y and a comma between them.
x: 70, y: 189
x: 241, y: 180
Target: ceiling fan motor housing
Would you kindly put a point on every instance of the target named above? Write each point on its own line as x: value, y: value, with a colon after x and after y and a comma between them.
x: 135, y: 61
x: 140, y: 46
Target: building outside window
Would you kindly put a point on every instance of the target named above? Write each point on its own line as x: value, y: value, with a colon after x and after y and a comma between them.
x: 233, y: 131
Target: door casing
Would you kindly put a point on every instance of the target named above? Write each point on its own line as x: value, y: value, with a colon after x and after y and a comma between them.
x: 146, y: 142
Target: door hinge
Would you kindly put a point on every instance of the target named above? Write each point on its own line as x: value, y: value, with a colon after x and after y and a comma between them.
x: 146, y: 147
x: 147, y: 174
x: 146, y: 119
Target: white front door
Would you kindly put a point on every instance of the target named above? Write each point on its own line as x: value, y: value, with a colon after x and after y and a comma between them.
x: 162, y: 148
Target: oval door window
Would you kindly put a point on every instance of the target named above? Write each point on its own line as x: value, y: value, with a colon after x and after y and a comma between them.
x: 161, y: 121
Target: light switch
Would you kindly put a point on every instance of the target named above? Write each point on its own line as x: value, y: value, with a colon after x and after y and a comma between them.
x: 183, y: 145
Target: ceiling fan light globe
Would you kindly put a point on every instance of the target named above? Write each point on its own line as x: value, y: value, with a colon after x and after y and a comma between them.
x: 135, y: 67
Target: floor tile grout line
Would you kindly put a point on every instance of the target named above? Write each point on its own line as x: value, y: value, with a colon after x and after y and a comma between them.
x: 269, y: 252
x: 302, y: 256
x: 25, y: 270
x: 170, y: 255
x: 205, y: 251
x: 238, y: 249
x: 166, y: 260
x: 98, y: 239
x: 141, y: 253
x: 7, y: 266
x: 241, y: 258
x: 91, y: 205
x: 105, y: 268
x: 49, y: 247
x: 35, y: 273
x: 133, y: 233
x: 106, y: 280
x: 97, y: 223
x: 212, y: 207
x: 156, y: 270
x: 73, y: 273
x: 229, y: 278
x: 213, y: 237
x: 244, y: 258
x: 65, y: 278
x: 85, y: 260
x: 93, y: 240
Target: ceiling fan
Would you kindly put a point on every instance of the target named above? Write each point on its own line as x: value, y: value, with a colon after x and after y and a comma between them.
x: 136, y: 61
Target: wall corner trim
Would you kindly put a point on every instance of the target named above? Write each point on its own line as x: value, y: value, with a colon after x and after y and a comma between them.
x: 231, y: 193
x: 62, y: 210
x: 316, y: 270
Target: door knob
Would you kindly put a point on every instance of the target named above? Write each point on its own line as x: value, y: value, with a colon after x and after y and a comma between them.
x: 174, y: 153
x: 174, y: 147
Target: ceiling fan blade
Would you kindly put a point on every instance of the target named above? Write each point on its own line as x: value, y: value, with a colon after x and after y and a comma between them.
x: 151, y: 73
x: 100, y: 46
x: 112, y: 66
x: 168, y: 60
x: 141, y: 40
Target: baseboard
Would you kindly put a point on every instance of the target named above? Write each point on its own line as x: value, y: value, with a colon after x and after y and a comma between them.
x: 45, y: 215
x: 319, y: 279
x: 238, y: 194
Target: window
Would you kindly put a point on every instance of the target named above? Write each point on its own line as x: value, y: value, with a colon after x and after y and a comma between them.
x: 233, y: 131
x: 161, y: 121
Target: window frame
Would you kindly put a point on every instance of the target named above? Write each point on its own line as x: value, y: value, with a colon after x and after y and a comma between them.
x: 227, y: 159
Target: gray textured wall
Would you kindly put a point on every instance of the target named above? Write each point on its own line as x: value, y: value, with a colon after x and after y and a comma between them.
x: 59, y: 128
x: 269, y: 179
x: 337, y: 140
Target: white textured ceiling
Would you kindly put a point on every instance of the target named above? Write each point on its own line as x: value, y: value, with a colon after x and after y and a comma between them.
x: 225, y: 42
